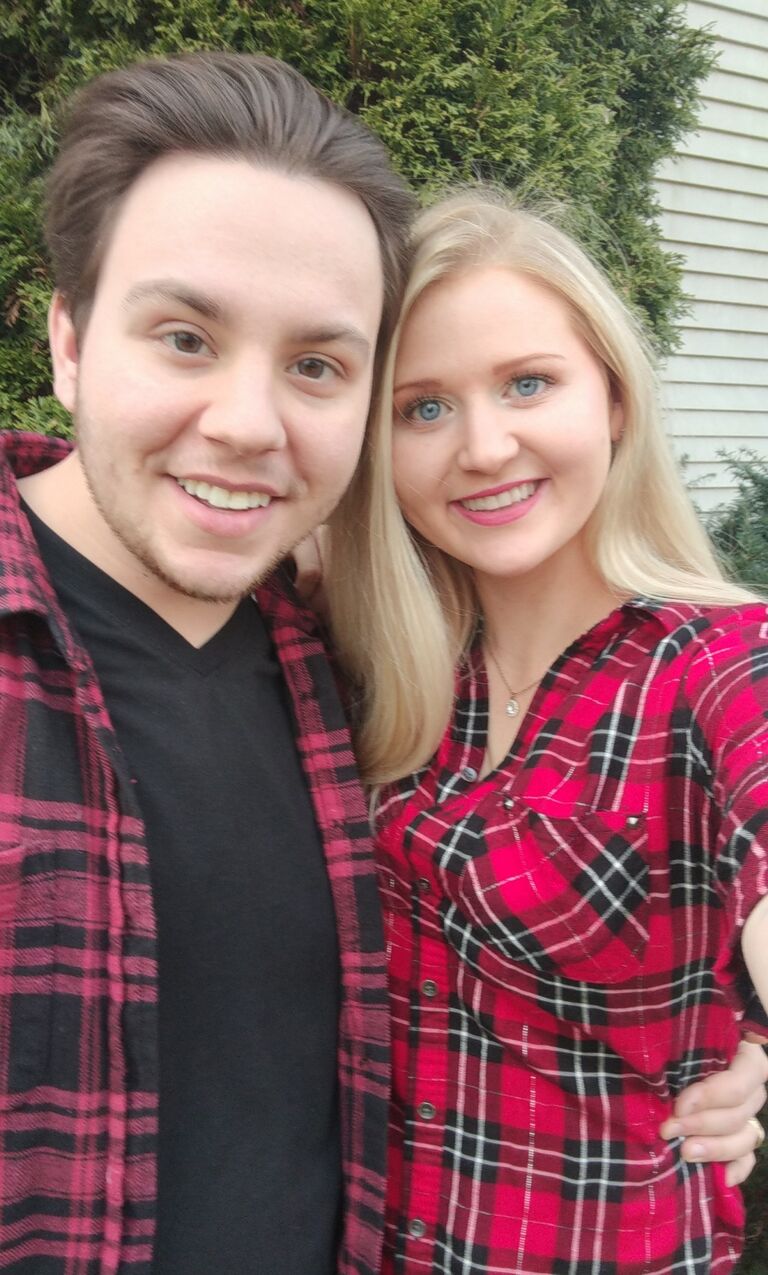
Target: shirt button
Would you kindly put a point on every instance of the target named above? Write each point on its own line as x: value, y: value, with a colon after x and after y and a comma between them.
x: 429, y: 988
x: 426, y: 1110
x: 633, y: 821
x: 423, y: 885
x: 469, y: 772
x: 416, y: 1228
x: 508, y: 803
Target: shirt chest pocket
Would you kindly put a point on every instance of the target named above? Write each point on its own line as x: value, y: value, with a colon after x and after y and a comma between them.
x: 562, y: 895
x: 50, y: 967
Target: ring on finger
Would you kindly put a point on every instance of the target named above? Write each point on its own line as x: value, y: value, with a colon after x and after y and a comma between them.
x: 755, y: 1124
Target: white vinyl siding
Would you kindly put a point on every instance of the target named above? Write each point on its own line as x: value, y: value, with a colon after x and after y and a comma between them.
x: 714, y: 200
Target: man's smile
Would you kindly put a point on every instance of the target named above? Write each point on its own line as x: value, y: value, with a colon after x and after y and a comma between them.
x: 224, y: 497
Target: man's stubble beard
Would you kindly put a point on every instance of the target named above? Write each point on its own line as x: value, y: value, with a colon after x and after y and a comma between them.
x: 141, y: 551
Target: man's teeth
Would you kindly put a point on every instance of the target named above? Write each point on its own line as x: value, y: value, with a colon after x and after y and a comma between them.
x: 502, y: 499
x: 221, y: 498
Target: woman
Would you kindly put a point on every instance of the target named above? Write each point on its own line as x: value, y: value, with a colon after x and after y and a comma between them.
x: 562, y: 711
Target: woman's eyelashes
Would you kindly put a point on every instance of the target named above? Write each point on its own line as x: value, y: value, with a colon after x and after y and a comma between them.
x: 530, y: 385
x: 428, y: 409
x: 423, y: 411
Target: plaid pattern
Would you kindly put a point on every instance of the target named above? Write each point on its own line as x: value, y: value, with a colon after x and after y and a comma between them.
x: 78, y: 977
x: 563, y: 949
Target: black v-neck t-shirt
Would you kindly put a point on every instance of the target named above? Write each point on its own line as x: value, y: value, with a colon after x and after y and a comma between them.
x: 249, y: 1150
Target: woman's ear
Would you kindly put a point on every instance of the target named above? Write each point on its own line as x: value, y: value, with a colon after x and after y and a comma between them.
x: 617, y: 421
x: 616, y: 411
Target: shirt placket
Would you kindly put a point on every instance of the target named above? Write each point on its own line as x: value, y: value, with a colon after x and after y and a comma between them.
x: 428, y: 1079
x: 431, y: 1095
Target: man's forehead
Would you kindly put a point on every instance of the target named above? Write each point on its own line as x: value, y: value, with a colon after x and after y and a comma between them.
x: 182, y: 189
x: 228, y: 230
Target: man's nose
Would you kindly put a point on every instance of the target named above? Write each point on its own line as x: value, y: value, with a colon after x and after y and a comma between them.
x: 244, y: 412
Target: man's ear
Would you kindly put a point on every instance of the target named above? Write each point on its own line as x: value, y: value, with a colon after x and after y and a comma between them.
x: 64, y: 353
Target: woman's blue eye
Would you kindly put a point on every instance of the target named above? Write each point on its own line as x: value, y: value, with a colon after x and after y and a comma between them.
x: 527, y: 386
x: 427, y: 410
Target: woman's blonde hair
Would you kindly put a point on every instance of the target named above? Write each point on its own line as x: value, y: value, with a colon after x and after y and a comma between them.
x: 402, y: 611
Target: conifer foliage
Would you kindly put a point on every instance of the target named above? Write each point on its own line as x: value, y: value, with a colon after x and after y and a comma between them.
x: 578, y: 99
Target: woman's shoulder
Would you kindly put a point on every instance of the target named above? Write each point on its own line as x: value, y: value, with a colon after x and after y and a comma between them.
x: 684, y: 639
x: 702, y: 621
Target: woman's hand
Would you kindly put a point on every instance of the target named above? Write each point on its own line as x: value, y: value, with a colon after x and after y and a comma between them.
x: 716, y: 1116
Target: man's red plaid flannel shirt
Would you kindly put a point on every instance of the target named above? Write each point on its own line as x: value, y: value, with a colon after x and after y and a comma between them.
x: 78, y: 977
x: 563, y: 945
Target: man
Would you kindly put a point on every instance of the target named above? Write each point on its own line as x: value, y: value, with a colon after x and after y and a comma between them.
x: 175, y: 761
x: 177, y: 791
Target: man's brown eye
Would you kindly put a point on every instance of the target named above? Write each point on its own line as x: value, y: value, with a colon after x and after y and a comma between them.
x: 187, y: 342
x: 313, y: 368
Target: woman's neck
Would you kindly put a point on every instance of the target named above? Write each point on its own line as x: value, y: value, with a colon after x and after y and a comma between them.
x: 531, y: 619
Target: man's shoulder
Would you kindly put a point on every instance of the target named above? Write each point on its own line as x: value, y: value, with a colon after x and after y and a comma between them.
x: 23, y: 454
x: 22, y: 581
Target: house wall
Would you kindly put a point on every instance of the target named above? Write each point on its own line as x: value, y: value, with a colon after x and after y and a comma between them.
x: 714, y: 197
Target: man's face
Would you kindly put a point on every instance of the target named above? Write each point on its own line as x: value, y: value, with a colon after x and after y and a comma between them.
x: 221, y: 387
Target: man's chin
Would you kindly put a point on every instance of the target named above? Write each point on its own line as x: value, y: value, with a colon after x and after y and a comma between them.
x: 214, y: 586
x: 217, y: 575
x: 209, y: 591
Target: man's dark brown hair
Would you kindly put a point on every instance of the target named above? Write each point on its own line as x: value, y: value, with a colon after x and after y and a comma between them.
x: 227, y: 105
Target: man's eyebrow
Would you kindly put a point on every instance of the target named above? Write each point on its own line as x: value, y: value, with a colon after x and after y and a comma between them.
x: 177, y: 293
x: 343, y: 335
x: 181, y: 294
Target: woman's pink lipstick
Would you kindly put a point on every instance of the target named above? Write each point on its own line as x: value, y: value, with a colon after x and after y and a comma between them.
x: 505, y: 513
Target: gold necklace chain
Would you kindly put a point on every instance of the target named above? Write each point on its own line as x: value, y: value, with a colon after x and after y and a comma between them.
x: 513, y: 703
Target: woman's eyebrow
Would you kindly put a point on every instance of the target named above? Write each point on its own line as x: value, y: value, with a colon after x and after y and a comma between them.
x: 518, y: 360
x: 522, y: 360
x: 421, y: 383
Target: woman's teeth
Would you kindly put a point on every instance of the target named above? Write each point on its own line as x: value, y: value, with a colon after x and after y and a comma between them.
x: 502, y: 499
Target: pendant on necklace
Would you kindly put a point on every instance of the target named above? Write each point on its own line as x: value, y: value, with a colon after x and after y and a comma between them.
x: 513, y: 708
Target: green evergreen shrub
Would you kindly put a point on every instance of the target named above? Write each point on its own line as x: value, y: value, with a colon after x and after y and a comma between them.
x: 574, y: 98
x: 740, y: 528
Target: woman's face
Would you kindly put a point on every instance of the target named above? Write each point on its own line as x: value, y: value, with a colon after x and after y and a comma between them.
x: 503, y: 424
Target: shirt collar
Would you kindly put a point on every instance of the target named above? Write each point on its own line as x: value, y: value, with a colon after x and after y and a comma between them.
x: 24, y: 585
x: 665, y: 614
x: 628, y: 615
x: 625, y: 618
